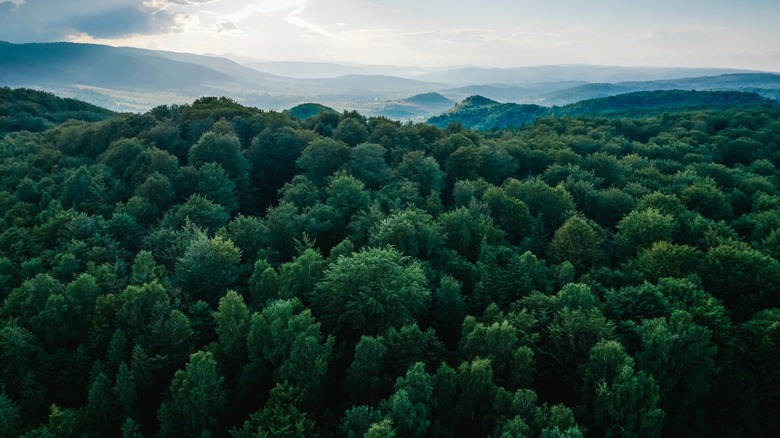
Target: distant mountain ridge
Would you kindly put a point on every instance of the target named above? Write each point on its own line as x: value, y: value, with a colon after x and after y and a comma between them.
x: 481, y: 113
x: 760, y: 83
x: 103, y: 66
x: 556, y: 73
x: 134, y: 79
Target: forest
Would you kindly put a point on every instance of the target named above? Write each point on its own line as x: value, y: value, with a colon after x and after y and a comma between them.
x: 215, y: 270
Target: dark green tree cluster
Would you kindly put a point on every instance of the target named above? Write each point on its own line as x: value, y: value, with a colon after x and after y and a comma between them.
x: 217, y: 270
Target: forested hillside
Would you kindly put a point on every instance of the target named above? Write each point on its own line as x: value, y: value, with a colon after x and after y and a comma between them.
x: 480, y: 113
x: 212, y: 269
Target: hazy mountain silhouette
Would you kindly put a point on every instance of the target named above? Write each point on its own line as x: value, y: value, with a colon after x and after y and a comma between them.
x: 126, y: 78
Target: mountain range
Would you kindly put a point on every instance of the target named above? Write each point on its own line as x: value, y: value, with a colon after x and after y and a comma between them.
x: 132, y: 79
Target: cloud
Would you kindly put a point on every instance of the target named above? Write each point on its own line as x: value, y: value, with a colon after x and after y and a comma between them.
x: 192, y: 2
x: 55, y: 20
x: 126, y: 20
x: 226, y: 27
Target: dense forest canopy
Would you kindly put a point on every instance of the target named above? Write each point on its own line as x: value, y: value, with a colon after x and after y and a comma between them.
x: 212, y: 269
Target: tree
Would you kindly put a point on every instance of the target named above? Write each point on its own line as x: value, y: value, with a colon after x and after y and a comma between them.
x: 125, y: 391
x: 199, y: 211
x: 283, y: 226
x: 411, y: 231
x: 232, y: 317
x: 264, y: 284
x: 272, y: 155
x: 367, y: 163
x: 636, y: 303
x: 144, y: 269
x: 248, y: 234
x: 138, y: 309
x: 300, y: 192
x: 512, y: 363
x: 579, y: 242
x: 475, y: 408
x: 9, y: 417
x: 505, y: 276
x: 565, y: 346
x: 63, y: 320
x: 510, y: 214
x: 448, y: 310
x: 286, y: 339
x: 640, y: 229
x: 619, y: 400
x: 23, y: 362
x: 463, y: 164
x: 208, y: 268
x: 554, y: 205
x: 80, y: 191
x: 298, y: 277
x: 223, y: 149
x: 197, y: 398
x: 664, y: 259
x: 358, y: 420
x: 371, y: 290
x: 366, y: 381
x: 706, y: 198
x: 460, y: 228
x: 100, y: 409
x: 608, y: 207
x: 351, y: 131
x: 158, y: 190
x: 382, y: 429
x: 409, y: 345
x: 745, y: 279
x: 213, y: 183
x: 680, y: 356
x: 323, y: 157
x: 346, y: 196
x: 281, y: 416
x: 424, y: 171
x: 409, y: 404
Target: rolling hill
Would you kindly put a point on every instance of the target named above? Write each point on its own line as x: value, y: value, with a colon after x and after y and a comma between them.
x: 485, y: 114
x: 481, y: 113
x: 306, y: 110
x: 765, y: 84
x: 417, y: 107
x: 100, y: 66
x: 644, y: 103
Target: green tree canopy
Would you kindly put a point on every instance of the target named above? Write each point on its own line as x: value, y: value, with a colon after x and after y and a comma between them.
x: 370, y: 291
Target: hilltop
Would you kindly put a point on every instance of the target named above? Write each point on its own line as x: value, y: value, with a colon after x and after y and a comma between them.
x: 481, y: 113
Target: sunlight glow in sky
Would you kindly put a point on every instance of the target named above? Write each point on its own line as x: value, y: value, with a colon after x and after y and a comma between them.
x: 497, y: 33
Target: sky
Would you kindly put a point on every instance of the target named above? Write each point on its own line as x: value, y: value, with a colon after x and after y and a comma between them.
x: 488, y: 33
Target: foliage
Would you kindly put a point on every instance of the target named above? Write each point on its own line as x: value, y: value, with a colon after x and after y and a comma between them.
x: 212, y: 269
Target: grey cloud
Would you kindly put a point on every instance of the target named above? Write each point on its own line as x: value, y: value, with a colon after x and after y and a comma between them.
x: 226, y: 26
x: 191, y: 2
x: 54, y: 20
x: 126, y: 20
